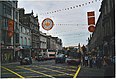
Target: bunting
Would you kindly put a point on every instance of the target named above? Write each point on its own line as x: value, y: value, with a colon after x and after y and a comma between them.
x: 72, y: 7
x: 69, y: 24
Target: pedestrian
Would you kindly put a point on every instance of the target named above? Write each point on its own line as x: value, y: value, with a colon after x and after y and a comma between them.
x: 90, y: 61
x: 86, y: 60
x: 94, y: 62
x: 98, y: 62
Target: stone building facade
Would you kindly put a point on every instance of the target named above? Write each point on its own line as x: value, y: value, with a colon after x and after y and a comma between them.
x: 29, y: 20
x: 8, y: 11
x: 25, y: 41
x: 103, y: 38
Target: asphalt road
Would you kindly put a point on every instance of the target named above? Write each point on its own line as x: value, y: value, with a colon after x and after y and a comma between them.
x: 43, y: 69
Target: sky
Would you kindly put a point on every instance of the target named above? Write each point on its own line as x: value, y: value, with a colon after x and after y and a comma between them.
x: 74, y: 28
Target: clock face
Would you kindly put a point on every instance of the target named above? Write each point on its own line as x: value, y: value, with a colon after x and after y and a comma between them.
x: 47, y: 24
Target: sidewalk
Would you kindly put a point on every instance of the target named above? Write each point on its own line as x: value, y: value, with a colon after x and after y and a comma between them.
x: 87, y: 72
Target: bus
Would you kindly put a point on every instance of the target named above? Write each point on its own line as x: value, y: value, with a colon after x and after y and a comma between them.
x: 50, y: 54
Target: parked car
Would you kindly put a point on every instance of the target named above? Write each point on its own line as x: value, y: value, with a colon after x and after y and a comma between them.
x: 40, y: 57
x: 26, y: 61
x: 60, y: 58
x: 73, y: 61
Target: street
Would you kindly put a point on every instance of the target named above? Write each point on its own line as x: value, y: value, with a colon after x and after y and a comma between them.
x: 46, y: 69
x: 57, y: 39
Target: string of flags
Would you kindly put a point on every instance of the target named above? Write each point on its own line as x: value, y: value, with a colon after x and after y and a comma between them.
x: 69, y: 24
x: 70, y: 8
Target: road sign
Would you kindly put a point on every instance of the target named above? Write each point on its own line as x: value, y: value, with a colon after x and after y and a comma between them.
x: 47, y: 24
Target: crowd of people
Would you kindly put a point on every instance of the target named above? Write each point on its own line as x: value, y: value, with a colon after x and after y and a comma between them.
x: 97, y: 61
x: 106, y: 62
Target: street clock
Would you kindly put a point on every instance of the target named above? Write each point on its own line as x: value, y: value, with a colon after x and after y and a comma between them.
x: 47, y: 24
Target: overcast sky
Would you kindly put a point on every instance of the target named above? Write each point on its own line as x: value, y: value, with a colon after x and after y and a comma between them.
x: 76, y: 30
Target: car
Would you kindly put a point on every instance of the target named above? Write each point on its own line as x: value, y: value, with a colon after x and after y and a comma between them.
x: 40, y: 57
x: 60, y: 58
x: 73, y: 61
x: 26, y: 61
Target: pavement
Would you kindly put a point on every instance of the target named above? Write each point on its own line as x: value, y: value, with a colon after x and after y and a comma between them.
x: 87, y: 72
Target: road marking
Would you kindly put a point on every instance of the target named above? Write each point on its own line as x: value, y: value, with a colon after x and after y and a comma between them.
x: 35, y: 71
x: 12, y: 72
x: 42, y: 76
x: 6, y: 73
x: 77, y: 72
x: 55, y: 71
x: 34, y: 76
x: 63, y: 68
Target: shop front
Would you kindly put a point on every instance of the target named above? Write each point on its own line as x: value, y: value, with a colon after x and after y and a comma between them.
x: 7, y: 55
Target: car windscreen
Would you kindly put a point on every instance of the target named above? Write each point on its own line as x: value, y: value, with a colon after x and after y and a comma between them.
x: 60, y: 55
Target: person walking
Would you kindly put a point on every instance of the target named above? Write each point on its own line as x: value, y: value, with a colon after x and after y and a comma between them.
x: 86, y: 60
x: 90, y: 61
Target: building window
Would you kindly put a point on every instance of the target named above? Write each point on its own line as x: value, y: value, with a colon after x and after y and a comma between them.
x: 17, y: 38
x: 29, y: 42
x: 5, y: 23
x: 7, y: 9
x: 21, y: 29
x: 4, y: 9
x: 17, y: 29
x: 25, y: 41
x: 16, y: 15
x: 21, y: 40
x: 28, y: 31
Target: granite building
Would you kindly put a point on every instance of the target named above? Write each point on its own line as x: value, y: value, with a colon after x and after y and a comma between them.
x: 9, y: 30
x: 31, y: 21
x: 103, y: 38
